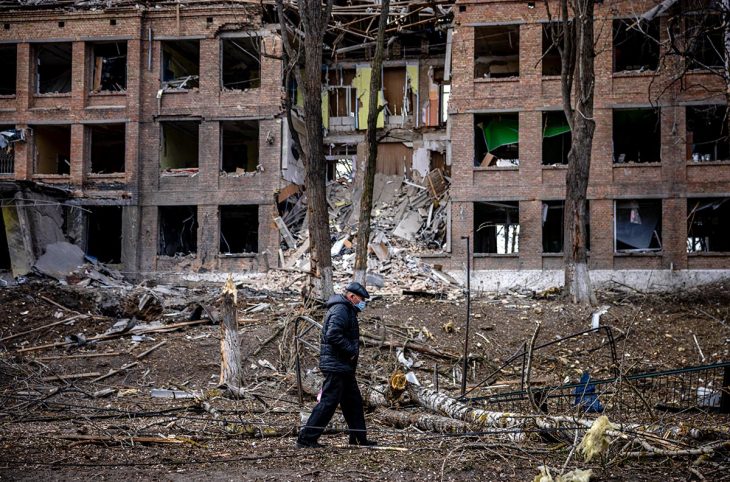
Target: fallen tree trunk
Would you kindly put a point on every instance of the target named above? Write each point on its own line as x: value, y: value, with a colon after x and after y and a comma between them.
x: 422, y: 421
x: 374, y: 340
x: 312, y: 383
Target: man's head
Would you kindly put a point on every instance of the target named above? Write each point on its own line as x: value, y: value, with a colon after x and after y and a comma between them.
x: 357, y: 294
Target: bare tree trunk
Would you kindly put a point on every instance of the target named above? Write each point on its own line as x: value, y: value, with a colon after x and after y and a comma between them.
x: 366, y: 201
x: 422, y: 421
x: 230, y: 344
x: 578, y: 51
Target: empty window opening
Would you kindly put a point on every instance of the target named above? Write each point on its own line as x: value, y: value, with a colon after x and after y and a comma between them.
x: 708, y: 225
x: 496, y: 140
x: 399, y: 96
x: 342, y: 96
x: 635, y: 46
x: 52, y: 153
x: 638, y: 226
x: 109, y: 66
x: 707, y: 135
x: 552, y: 226
x: 240, y: 146
x: 4, y: 248
x: 340, y: 161
x: 180, y: 64
x: 241, y: 63
x: 497, y: 51
x: 9, y: 135
x: 104, y: 233
x: 239, y: 229
x: 552, y: 36
x: 179, y: 145
x: 107, y: 148
x: 53, y: 68
x: 556, y: 138
x: 636, y: 135
x: 178, y: 230
x: 704, y: 37
x: 8, y: 74
x: 496, y: 227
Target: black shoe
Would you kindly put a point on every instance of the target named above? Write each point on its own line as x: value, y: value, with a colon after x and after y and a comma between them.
x: 364, y: 443
x: 308, y: 445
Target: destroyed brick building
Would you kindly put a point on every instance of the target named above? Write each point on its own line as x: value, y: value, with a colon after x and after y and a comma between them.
x: 154, y: 135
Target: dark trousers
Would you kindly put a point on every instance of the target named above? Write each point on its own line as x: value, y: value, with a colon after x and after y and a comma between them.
x: 338, y: 389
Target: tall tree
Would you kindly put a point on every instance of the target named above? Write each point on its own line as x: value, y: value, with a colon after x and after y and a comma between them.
x: 366, y: 201
x: 306, y: 64
x: 577, y: 80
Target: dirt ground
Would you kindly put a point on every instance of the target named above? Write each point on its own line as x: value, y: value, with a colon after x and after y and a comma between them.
x: 58, y: 429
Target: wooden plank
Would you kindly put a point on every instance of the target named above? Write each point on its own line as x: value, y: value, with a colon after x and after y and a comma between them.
x: 76, y: 376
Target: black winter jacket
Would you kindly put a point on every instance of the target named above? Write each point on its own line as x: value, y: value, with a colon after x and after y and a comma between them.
x: 339, y: 343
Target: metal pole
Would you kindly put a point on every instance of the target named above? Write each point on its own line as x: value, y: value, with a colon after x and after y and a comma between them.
x: 468, y: 314
x: 299, y: 371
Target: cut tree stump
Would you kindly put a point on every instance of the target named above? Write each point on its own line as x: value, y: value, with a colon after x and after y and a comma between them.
x: 230, y: 344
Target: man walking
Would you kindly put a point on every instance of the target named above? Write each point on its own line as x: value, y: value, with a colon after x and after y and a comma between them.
x: 339, y: 350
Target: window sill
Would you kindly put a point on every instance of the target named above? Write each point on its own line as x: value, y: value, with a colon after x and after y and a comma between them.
x: 497, y: 168
x: 171, y: 90
x: 709, y: 254
x: 496, y: 255
x: 551, y: 77
x: 238, y: 174
x: 51, y: 176
x: 487, y: 80
x: 111, y: 175
x: 177, y: 256
x: 560, y: 255
x: 236, y: 255
x: 62, y: 95
x: 555, y: 166
x: 639, y: 254
x: 7, y: 96
x: 107, y: 93
x: 434, y: 254
x: 634, y: 73
x: 184, y: 172
x: 637, y: 164
x: 708, y: 163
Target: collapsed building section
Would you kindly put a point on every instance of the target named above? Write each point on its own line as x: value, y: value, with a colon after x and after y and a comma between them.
x: 497, y: 51
x: 107, y: 143
x: 180, y: 64
x: 104, y: 233
x: 8, y: 74
x: 635, y: 45
x: 636, y: 135
x: 239, y: 146
x: 109, y: 73
x: 708, y: 225
x: 496, y: 227
x: 241, y: 63
x: 496, y: 140
x: 638, y: 225
x: 179, y: 144
x: 178, y: 230
x: 707, y: 133
x: 52, y: 149
x: 53, y: 68
x: 239, y: 229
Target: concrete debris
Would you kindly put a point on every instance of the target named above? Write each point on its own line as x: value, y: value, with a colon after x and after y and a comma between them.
x: 60, y: 260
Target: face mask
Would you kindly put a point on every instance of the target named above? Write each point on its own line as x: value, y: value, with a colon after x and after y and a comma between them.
x: 360, y: 306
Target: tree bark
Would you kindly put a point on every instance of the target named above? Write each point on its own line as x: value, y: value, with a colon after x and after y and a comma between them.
x: 422, y: 421
x: 230, y: 343
x: 366, y: 200
x: 577, y: 56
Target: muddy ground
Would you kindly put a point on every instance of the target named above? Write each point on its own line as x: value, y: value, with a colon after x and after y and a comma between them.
x: 57, y: 428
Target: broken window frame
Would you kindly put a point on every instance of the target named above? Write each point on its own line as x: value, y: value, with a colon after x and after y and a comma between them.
x: 111, y: 224
x: 252, y: 81
x: 511, y: 53
x: 409, y: 99
x: 63, y: 159
x: 224, y: 155
x: 163, y: 145
x: 508, y: 124
x: 638, y: 134
x: 554, y: 206
x: 247, y: 242
x: 504, y: 240
x: 713, y: 143
x: 341, y: 164
x: 188, y: 234
x: 9, y: 61
x: 705, y: 224
x: 551, y: 63
x: 626, y: 34
x: 555, y: 121
x: 117, y: 150
x: 9, y: 135
x: 704, y: 39
x: 188, y: 80
x: 65, y: 77
x: 628, y: 216
x: 107, y: 78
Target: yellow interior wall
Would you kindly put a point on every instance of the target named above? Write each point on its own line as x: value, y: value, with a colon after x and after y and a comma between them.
x: 178, y: 150
x: 50, y: 144
x: 361, y: 82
